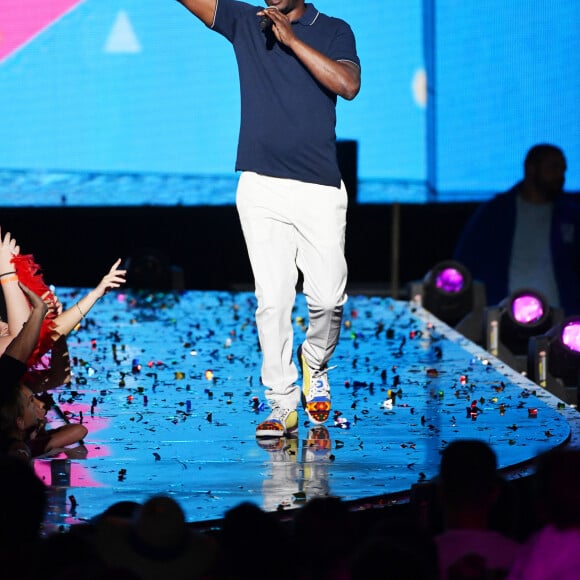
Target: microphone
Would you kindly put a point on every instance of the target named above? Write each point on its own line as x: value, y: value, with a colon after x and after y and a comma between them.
x: 265, y: 23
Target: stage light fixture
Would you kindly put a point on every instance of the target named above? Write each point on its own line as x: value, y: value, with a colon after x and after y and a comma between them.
x: 449, y: 292
x: 554, y: 360
x: 509, y: 326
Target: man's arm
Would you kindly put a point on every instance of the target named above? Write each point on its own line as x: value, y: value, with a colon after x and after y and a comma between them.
x: 203, y: 9
x: 340, y: 77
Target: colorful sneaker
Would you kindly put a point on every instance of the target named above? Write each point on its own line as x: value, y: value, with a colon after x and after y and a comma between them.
x: 315, y: 391
x: 279, y: 423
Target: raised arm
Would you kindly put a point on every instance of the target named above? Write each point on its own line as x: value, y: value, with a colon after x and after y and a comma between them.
x: 67, y: 320
x: 340, y: 77
x: 203, y: 9
x: 17, y: 306
x: 22, y: 346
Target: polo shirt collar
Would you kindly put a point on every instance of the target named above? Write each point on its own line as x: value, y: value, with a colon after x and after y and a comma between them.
x: 310, y: 15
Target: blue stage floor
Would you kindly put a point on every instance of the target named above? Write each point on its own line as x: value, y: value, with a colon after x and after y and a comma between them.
x: 168, y: 386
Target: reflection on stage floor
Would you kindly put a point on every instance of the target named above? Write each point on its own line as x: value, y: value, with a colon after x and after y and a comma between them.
x: 168, y: 386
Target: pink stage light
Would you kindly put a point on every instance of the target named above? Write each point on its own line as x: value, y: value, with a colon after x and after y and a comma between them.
x: 450, y: 280
x: 527, y: 309
x: 571, y: 335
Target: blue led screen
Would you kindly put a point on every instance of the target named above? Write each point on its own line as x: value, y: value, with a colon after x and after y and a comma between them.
x: 93, y: 89
x: 507, y: 76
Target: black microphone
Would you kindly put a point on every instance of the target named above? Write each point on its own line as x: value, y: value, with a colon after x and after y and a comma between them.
x: 265, y: 23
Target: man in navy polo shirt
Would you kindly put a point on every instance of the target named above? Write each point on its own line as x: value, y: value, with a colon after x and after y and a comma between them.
x: 293, y: 63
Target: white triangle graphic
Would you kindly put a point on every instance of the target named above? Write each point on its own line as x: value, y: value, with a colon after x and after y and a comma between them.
x: 122, y: 38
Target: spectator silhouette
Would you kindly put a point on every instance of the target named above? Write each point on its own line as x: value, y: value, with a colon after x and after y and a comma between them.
x: 154, y: 543
x: 469, y: 486
x: 395, y: 548
x: 72, y: 554
x: 529, y: 236
x: 323, y: 538
x: 552, y: 552
x: 23, y: 510
x: 250, y: 542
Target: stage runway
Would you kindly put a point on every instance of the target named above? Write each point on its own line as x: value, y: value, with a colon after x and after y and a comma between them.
x: 168, y: 386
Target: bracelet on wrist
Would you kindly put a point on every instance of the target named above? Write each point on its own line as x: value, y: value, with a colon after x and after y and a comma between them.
x: 7, y: 273
x: 9, y: 279
x: 79, y: 309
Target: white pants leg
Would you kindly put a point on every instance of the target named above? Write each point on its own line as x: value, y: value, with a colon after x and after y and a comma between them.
x: 287, y: 225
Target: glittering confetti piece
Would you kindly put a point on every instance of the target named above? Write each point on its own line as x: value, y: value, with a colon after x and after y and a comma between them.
x: 342, y: 423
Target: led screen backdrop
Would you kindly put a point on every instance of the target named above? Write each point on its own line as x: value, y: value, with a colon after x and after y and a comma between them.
x: 132, y: 101
x: 507, y: 76
x: 143, y: 87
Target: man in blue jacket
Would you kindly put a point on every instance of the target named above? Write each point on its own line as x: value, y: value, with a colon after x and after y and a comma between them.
x: 529, y: 236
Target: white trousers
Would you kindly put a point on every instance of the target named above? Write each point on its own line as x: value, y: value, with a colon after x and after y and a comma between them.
x: 290, y: 225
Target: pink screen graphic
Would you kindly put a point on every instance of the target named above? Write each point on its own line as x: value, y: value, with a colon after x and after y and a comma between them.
x: 22, y: 20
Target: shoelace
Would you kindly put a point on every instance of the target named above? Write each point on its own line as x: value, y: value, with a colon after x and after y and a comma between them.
x: 319, y: 381
x: 279, y: 413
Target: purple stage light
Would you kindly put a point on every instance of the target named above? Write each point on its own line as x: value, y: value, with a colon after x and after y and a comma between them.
x: 527, y: 309
x: 450, y: 280
x: 571, y: 335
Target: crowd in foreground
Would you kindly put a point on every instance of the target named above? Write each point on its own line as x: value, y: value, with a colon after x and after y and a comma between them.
x: 465, y: 524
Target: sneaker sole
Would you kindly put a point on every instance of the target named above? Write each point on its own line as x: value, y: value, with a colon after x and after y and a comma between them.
x: 274, y: 433
x: 268, y: 433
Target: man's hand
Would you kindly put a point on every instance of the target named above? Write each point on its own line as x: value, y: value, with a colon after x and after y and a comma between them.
x: 339, y: 77
x: 281, y: 25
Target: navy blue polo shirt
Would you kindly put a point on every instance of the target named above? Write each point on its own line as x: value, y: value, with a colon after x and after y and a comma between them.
x: 288, y: 119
